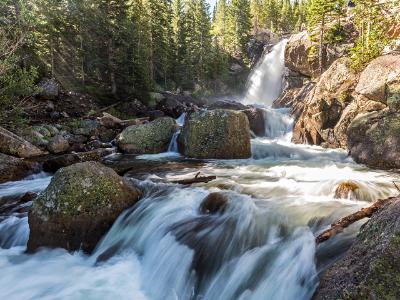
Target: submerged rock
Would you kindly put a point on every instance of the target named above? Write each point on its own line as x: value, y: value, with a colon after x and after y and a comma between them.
x: 219, y: 134
x: 79, y: 207
x: 214, y: 203
x: 150, y: 138
x: 374, y: 139
x: 13, y: 168
x: 14, y: 145
x: 370, y: 269
x: 346, y: 190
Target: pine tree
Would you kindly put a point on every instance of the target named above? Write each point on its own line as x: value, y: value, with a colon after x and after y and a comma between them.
x: 239, y: 28
x: 319, y: 11
x: 219, y: 28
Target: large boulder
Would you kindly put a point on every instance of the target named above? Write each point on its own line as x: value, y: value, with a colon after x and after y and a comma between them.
x: 13, y: 168
x: 219, y: 134
x: 256, y: 120
x: 381, y: 79
x: 58, y: 144
x: 325, y: 105
x: 150, y: 138
x: 370, y: 269
x: 374, y: 139
x: 14, y: 145
x: 79, y: 207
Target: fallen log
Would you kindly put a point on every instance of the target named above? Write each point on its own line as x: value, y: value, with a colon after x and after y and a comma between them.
x: 196, y: 179
x: 339, y: 226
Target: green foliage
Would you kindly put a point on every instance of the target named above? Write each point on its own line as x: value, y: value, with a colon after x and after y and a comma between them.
x: 372, y: 26
x: 335, y: 34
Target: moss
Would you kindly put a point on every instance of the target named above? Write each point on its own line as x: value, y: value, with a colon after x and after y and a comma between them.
x: 383, y: 281
x: 80, y: 189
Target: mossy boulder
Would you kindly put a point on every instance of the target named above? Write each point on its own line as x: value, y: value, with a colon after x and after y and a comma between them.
x: 79, y: 207
x: 374, y: 139
x: 371, y: 268
x: 216, y: 134
x: 150, y: 138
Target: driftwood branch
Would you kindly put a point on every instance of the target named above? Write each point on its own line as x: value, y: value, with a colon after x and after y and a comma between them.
x: 196, y: 179
x: 339, y: 226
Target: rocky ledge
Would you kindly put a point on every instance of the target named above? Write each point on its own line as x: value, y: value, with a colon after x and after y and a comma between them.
x: 369, y: 270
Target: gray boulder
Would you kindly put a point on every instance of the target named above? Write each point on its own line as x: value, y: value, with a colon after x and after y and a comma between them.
x: 79, y: 207
x: 150, y: 138
x: 14, y: 145
x: 220, y: 134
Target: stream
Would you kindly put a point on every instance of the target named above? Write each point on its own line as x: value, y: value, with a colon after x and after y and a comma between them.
x: 261, y: 247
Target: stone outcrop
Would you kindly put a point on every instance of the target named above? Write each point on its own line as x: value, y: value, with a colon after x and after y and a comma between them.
x: 79, y: 207
x: 13, y: 168
x: 326, y: 112
x: 370, y: 269
x: 14, y: 145
x: 150, y: 138
x: 374, y: 139
x: 219, y: 134
x: 214, y: 203
x: 381, y: 79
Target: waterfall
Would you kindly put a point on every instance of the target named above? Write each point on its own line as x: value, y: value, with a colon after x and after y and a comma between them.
x: 265, y: 81
x: 173, y: 145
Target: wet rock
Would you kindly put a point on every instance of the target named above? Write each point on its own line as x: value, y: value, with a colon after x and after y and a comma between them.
x: 214, y: 203
x: 79, y: 207
x: 346, y: 190
x: 380, y: 79
x: 13, y: 168
x: 227, y: 104
x: 58, y: 144
x: 256, y: 120
x: 370, y: 269
x: 53, y: 163
x: 220, y: 134
x: 374, y: 139
x: 16, y: 204
x: 150, y: 138
x: 14, y: 145
x: 50, y: 89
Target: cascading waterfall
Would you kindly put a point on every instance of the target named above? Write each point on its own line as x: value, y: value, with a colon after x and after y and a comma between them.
x: 265, y: 81
x: 173, y: 145
x: 261, y: 246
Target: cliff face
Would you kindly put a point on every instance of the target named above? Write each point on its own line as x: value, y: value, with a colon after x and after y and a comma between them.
x: 327, y: 108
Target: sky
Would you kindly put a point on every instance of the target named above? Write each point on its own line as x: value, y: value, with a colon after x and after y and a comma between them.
x: 212, y: 3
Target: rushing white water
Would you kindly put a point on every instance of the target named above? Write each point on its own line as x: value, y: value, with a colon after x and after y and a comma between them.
x: 261, y: 246
x: 265, y: 81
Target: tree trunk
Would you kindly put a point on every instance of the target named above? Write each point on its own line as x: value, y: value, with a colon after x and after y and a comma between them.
x: 321, y: 46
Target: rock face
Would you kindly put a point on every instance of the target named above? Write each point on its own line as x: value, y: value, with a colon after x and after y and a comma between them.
x: 256, y: 120
x: 370, y: 269
x: 150, y: 138
x: 346, y: 190
x: 380, y: 79
x: 79, y: 207
x: 13, y: 168
x: 374, y: 139
x: 219, y: 134
x: 14, y: 145
x: 297, y: 55
x: 323, y: 116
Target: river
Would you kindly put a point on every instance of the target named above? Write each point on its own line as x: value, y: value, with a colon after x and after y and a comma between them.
x: 260, y: 247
